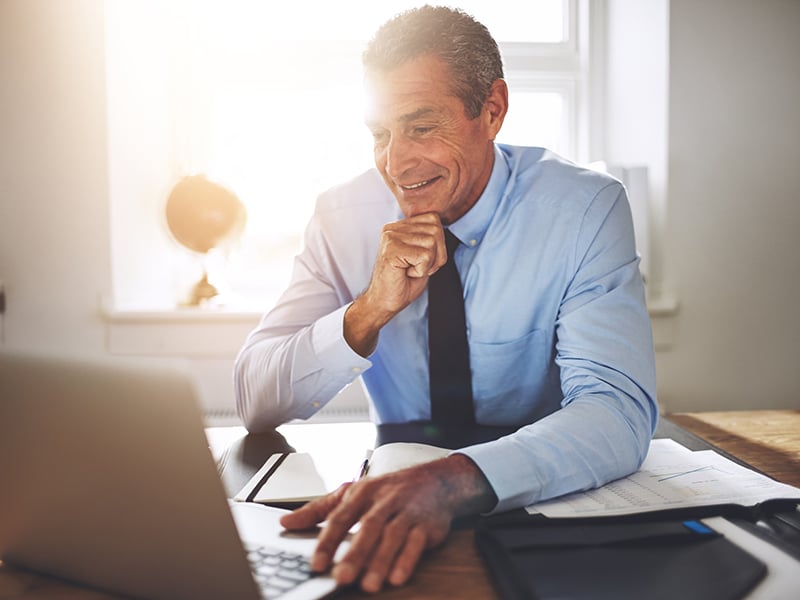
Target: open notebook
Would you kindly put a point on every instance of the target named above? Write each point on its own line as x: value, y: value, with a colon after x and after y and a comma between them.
x: 108, y: 482
x: 290, y: 479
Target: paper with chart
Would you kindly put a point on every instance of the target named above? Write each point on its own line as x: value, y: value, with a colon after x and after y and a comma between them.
x: 671, y: 478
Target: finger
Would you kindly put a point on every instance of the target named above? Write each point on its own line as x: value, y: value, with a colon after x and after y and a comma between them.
x: 421, y: 226
x: 415, y: 245
x: 346, y: 514
x: 419, y: 254
x: 362, y: 546
x: 313, y: 512
x: 409, y: 556
x: 416, y: 260
x: 441, y: 252
x: 419, y: 270
x: 392, y: 540
x: 422, y: 219
x: 426, y: 230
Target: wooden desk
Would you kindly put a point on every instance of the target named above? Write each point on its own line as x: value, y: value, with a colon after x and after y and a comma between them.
x: 768, y: 440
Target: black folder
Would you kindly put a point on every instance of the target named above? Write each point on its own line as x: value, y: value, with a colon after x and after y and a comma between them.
x: 654, y: 560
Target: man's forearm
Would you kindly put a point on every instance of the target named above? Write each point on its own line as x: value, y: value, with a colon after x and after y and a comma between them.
x: 282, y: 377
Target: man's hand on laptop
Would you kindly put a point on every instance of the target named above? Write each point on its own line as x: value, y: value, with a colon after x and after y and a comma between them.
x: 400, y: 515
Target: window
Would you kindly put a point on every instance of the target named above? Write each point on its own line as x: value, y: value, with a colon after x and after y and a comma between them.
x: 266, y: 100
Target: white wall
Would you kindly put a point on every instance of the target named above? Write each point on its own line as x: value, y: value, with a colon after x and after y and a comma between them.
x: 732, y: 196
x: 635, y: 103
x: 733, y: 227
x: 55, y: 251
x: 54, y: 242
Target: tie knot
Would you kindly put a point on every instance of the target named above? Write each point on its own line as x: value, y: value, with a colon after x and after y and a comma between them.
x: 452, y: 243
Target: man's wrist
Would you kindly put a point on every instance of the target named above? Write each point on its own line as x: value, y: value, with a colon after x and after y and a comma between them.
x: 361, y: 326
x: 467, y: 490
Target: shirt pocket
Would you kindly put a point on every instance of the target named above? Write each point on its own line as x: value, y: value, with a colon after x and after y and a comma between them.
x: 509, y: 378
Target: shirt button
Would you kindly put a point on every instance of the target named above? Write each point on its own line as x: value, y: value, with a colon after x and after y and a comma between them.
x: 356, y: 369
x: 473, y: 242
x: 315, y: 404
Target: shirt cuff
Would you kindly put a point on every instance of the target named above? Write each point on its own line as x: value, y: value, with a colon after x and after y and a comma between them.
x: 330, y: 351
x: 502, y: 470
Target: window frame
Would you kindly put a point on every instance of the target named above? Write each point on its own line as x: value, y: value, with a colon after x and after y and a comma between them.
x: 157, y: 275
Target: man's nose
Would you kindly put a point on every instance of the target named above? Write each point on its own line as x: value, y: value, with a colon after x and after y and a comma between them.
x: 401, y: 155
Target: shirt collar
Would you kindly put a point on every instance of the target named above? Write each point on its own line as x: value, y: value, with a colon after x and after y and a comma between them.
x: 471, y: 228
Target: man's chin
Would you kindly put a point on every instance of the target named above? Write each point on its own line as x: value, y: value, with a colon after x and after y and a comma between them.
x: 417, y: 211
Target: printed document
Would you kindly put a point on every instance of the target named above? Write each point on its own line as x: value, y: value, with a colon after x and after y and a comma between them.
x: 671, y: 477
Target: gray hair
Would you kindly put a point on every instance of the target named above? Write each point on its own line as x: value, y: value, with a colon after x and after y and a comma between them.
x: 464, y: 44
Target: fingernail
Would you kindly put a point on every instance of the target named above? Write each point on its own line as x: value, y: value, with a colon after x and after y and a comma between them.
x: 371, y: 582
x: 319, y: 562
x: 398, y: 576
x: 343, y: 573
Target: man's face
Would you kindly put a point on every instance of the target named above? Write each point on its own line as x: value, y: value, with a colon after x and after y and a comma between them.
x: 433, y: 157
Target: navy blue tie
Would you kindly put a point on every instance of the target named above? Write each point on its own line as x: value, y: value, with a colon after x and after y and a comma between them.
x: 451, y: 379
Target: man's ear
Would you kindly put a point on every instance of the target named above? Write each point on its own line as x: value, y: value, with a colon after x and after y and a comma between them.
x: 495, y: 107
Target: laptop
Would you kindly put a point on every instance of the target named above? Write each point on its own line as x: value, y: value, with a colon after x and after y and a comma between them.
x: 107, y: 481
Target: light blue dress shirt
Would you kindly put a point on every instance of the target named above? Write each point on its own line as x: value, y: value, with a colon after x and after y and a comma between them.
x: 559, y: 335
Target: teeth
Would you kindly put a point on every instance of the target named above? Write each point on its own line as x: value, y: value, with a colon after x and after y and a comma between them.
x: 417, y: 185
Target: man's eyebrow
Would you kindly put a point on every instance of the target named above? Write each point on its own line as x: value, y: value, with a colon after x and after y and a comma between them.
x: 406, y: 118
x: 417, y: 114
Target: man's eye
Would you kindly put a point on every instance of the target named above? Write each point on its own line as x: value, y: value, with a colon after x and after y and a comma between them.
x: 379, y: 137
x: 422, y: 130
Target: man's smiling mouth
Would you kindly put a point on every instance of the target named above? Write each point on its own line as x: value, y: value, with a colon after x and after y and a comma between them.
x: 421, y: 184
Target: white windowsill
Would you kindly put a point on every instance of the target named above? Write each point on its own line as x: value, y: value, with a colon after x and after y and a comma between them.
x: 663, y: 308
x: 187, y: 314
x: 219, y: 332
x: 195, y: 332
x: 663, y: 305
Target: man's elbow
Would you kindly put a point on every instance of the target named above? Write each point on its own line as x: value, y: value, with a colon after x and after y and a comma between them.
x: 644, y: 430
x: 245, y: 399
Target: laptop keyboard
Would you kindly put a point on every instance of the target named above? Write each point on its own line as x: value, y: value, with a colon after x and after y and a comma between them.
x: 277, y: 571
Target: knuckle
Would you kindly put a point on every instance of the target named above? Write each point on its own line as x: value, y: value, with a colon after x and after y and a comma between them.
x: 397, y: 528
x: 359, y: 491
x: 359, y: 550
x: 337, y: 520
x: 327, y: 543
x: 372, y: 521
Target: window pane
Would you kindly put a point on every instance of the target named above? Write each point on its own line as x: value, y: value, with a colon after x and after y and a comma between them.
x: 537, y: 21
x: 278, y: 152
x: 356, y: 20
x: 536, y: 119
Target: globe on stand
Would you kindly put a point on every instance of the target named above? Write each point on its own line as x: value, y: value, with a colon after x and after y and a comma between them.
x: 203, y: 216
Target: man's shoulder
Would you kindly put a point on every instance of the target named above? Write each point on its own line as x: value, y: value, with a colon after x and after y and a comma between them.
x: 542, y: 171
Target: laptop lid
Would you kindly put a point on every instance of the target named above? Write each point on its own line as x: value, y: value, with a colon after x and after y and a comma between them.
x: 108, y: 481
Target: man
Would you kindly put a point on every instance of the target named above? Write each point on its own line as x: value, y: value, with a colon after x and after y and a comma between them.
x: 560, y: 347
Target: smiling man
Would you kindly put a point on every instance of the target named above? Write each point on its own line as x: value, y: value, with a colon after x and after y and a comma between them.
x: 560, y: 356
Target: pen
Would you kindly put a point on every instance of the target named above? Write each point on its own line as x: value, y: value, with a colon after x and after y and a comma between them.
x: 365, y: 465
